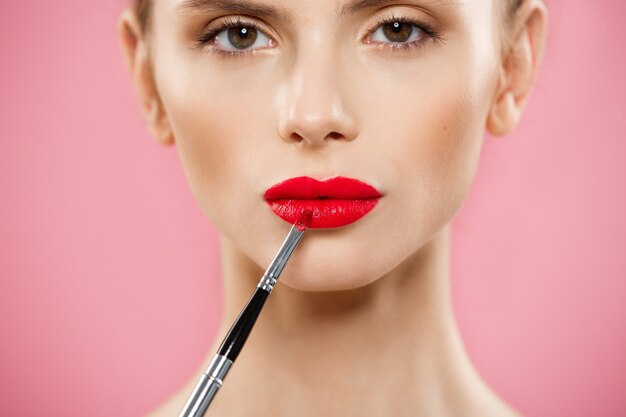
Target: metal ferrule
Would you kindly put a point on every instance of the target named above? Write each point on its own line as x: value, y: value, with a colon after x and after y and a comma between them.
x: 218, y: 368
x: 206, y: 388
x: 267, y: 283
x: 269, y: 279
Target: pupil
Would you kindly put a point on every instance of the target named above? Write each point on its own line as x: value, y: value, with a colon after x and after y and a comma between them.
x: 396, y: 27
x: 243, y: 33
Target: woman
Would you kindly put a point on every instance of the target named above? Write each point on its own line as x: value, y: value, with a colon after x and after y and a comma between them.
x: 394, y: 95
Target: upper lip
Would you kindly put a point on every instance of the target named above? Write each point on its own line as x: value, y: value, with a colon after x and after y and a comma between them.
x: 307, y: 188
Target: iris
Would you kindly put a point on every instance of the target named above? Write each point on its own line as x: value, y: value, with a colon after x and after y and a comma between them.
x: 397, y: 31
x: 242, y: 37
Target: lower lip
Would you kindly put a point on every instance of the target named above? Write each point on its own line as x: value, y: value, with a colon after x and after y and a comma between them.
x: 327, y: 212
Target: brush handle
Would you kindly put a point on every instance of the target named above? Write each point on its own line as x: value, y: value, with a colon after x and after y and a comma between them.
x: 239, y: 332
x: 211, y: 380
x: 206, y: 388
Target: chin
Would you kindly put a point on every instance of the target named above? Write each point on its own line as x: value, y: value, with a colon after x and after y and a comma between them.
x: 324, y: 283
x: 323, y: 265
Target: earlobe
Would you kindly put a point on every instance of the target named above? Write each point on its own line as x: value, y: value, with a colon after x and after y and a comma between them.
x: 519, y: 67
x: 137, y: 59
x: 158, y: 123
x: 505, y: 114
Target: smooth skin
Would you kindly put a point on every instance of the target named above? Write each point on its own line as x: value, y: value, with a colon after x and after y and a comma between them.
x: 361, y: 322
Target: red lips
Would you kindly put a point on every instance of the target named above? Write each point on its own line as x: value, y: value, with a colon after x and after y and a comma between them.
x: 335, y: 202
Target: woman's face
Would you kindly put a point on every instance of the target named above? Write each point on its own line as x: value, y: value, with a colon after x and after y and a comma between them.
x: 322, y: 89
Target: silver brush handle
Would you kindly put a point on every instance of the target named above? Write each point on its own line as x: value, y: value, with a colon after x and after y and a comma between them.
x: 271, y: 275
x: 211, y: 381
x: 206, y: 388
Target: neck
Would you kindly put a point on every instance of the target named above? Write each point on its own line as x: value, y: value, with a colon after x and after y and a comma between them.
x: 389, y: 346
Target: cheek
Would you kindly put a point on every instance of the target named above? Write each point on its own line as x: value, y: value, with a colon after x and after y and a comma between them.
x: 433, y: 147
x: 215, y: 130
x: 205, y: 148
x: 444, y: 151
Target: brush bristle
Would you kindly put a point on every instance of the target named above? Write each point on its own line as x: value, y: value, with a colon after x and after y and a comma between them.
x: 304, y: 221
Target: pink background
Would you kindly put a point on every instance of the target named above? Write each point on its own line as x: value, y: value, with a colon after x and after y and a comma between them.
x: 108, y: 268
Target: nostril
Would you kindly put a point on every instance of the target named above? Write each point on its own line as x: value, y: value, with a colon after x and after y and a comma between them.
x: 335, y: 135
x: 296, y: 137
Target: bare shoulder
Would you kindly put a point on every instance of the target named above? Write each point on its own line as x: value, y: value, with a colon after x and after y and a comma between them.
x: 170, y: 408
x: 482, y: 401
x: 493, y: 407
x: 173, y: 406
x: 503, y: 411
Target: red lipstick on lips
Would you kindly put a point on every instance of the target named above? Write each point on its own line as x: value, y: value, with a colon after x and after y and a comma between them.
x: 334, y: 202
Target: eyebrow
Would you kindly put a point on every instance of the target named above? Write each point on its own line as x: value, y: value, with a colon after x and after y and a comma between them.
x: 354, y: 6
x: 237, y: 6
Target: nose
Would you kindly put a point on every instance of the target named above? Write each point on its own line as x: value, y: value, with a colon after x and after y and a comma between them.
x: 314, y: 106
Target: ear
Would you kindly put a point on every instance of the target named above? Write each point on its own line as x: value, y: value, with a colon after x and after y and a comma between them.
x: 135, y: 49
x: 518, y: 70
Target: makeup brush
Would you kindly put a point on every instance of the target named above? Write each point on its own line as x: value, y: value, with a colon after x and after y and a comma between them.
x: 212, y: 379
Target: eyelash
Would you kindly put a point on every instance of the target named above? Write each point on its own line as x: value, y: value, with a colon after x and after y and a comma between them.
x: 430, y: 33
x: 207, y: 37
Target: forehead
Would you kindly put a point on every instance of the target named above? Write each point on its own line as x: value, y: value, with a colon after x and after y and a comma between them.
x: 284, y: 9
x: 457, y: 15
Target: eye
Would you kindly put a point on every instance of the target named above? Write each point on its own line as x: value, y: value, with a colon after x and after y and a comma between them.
x: 234, y: 37
x: 241, y: 37
x: 400, y: 32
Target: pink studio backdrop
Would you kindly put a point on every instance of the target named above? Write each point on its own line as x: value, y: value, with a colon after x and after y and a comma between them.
x: 109, y: 273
